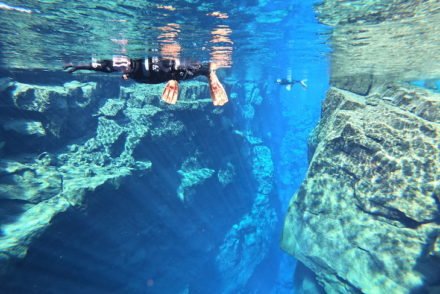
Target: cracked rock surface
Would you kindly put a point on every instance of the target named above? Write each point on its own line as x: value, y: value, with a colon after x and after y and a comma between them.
x: 160, y: 188
x: 367, y: 217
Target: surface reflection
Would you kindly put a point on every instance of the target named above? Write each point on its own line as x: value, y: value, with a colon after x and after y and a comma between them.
x: 390, y: 42
x: 221, y: 49
x: 169, y: 46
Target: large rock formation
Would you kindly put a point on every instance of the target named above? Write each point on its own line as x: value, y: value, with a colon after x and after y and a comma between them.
x: 35, y: 116
x: 140, y: 169
x: 36, y: 187
x: 247, y: 242
x: 367, y: 217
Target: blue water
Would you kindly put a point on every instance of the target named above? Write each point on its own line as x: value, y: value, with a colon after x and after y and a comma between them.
x: 82, y: 210
x: 137, y: 236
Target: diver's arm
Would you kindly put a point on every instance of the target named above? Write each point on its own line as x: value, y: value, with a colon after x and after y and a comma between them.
x: 70, y: 68
x: 100, y: 65
x: 283, y: 82
x: 182, y: 69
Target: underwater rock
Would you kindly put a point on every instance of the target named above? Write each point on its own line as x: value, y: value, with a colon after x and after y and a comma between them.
x: 193, y: 91
x: 57, y: 106
x: 25, y: 127
x: 226, y: 175
x: 167, y: 126
x: 40, y: 193
x: 42, y: 99
x: 420, y: 103
x: 30, y: 183
x: 5, y: 84
x: 246, y: 245
x: 33, y: 184
x: 192, y: 175
x: 108, y: 131
x: 122, y: 136
x: 358, y: 84
x: 112, y: 107
x: 192, y: 94
x: 38, y: 187
x: 262, y: 168
x: 247, y: 242
x: 304, y: 281
x: 368, y: 211
x: 249, y: 137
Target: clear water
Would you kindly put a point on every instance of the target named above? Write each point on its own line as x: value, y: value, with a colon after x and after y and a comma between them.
x: 135, y: 232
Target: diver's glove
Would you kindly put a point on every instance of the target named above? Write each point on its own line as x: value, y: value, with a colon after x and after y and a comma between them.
x: 70, y: 68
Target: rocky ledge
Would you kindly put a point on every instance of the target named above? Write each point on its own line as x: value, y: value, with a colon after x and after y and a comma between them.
x: 37, y: 185
x: 367, y: 217
x: 115, y: 155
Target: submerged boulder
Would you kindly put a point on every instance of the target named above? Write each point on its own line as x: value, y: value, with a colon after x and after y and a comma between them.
x: 367, y: 217
x: 247, y: 243
x: 192, y: 175
x: 154, y: 154
x: 25, y: 127
x: 35, y: 188
x: 35, y: 116
x: 122, y: 182
x: 29, y: 183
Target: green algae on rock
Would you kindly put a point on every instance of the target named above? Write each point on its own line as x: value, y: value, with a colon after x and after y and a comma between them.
x: 366, y: 219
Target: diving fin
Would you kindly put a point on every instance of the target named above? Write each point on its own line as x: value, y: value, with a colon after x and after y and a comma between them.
x: 303, y: 83
x: 289, y: 87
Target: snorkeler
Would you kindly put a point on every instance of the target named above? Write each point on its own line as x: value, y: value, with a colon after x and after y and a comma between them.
x: 154, y: 70
x: 290, y: 83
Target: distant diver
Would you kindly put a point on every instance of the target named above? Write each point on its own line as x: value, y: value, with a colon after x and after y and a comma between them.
x: 290, y: 83
x: 155, y: 70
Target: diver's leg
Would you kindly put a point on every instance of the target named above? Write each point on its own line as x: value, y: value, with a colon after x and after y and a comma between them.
x: 171, y: 92
x: 218, y: 93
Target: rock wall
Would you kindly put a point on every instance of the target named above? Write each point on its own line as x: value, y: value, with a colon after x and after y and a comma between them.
x: 367, y: 217
x: 174, y: 196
